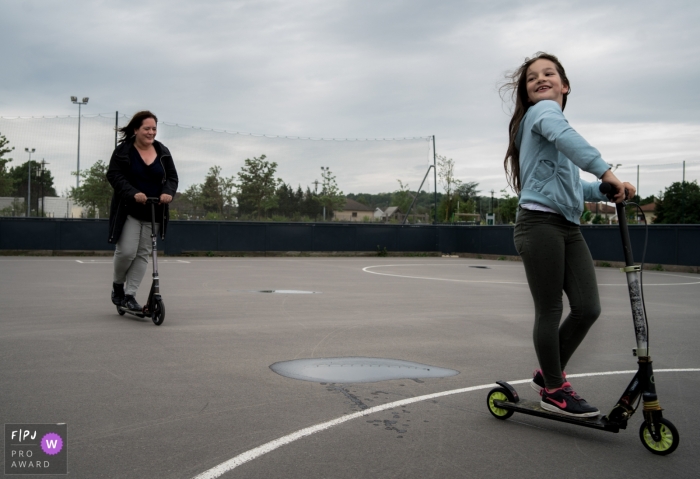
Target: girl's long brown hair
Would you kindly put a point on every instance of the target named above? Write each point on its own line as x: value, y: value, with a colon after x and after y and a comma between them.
x: 134, y: 124
x: 516, y: 86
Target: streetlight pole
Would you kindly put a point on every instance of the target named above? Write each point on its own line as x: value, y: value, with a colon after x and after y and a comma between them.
x: 40, y: 176
x: 74, y: 99
x: 29, y: 180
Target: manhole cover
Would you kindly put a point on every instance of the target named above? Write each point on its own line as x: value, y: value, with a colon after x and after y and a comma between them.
x: 480, y: 267
x: 357, y: 370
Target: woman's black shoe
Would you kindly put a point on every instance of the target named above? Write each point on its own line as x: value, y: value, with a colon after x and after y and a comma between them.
x: 130, y: 303
x: 117, y: 294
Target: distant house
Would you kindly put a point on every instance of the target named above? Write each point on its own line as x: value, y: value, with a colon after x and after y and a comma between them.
x: 609, y: 212
x: 354, y: 211
x: 602, y: 209
x: 392, y: 213
x: 649, y: 213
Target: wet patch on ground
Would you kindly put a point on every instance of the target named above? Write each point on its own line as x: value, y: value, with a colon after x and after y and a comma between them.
x: 357, y: 370
x: 274, y: 291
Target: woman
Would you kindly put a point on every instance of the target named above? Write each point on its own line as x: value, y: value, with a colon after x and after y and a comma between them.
x: 542, y: 164
x: 140, y: 168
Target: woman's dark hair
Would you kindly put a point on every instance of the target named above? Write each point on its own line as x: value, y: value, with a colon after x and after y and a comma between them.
x: 516, y: 86
x: 134, y: 124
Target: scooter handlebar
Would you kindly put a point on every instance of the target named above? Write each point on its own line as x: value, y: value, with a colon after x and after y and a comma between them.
x: 152, y: 200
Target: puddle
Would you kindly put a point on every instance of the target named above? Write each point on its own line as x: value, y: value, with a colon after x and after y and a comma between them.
x: 480, y: 267
x: 357, y: 370
x: 274, y: 291
x: 286, y: 291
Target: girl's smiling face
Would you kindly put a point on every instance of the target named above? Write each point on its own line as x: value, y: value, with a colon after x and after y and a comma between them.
x: 544, y: 83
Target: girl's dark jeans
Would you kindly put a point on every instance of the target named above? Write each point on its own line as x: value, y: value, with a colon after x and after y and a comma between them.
x: 557, y: 259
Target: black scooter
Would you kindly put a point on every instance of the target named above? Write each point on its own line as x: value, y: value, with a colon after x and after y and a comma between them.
x: 657, y: 434
x: 154, y: 307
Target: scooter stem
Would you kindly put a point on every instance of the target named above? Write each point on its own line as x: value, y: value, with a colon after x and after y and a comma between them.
x: 155, y: 289
x: 632, y: 272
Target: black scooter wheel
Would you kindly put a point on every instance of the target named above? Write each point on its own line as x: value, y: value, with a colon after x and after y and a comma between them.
x: 499, y: 394
x: 158, y: 315
x: 667, y: 443
x: 120, y: 311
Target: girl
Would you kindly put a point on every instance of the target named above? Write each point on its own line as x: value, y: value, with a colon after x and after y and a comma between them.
x: 542, y: 165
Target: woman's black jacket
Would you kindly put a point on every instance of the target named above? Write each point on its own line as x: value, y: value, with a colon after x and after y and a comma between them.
x: 119, y: 176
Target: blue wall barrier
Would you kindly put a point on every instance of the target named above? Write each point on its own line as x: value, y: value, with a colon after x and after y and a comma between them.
x: 667, y: 244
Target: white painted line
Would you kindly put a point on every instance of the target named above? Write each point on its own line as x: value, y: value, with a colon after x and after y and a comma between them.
x: 367, y: 270
x: 248, y: 456
x: 160, y: 261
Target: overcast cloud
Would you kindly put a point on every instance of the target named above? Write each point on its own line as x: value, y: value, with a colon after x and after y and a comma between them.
x: 368, y: 69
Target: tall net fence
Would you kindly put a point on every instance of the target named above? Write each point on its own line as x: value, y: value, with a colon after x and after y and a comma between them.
x: 652, y: 179
x: 360, y: 165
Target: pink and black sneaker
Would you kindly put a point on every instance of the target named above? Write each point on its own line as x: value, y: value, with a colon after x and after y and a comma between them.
x: 565, y: 401
x: 537, y: 382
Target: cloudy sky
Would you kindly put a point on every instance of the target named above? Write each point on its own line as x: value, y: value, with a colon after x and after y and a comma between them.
x: 366, y: 69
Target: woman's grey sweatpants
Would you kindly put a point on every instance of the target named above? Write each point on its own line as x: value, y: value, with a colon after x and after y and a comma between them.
x: 557, y: 259
x: 131, y: 254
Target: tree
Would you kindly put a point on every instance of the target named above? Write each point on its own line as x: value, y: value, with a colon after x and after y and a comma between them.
x: 331, y: 197
x: 94, y: 192
x: 289, y: 201
x: 467, y: 191
x: 311, y: 204
x: 679, y: 204
x: 508, y: 207
x: 450, y: 184
x: 40, y: 185
x: 7, y: 184
x: 402, y: 197
x: 189, y: 202
x: 217, y: 193
x: 256, y: 187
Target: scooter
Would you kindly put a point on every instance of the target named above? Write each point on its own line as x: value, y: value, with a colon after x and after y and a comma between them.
x: 657, y: 434
x: 154, y: 307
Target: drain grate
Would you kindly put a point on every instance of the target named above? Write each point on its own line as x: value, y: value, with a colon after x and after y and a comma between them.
x: 357, y: 370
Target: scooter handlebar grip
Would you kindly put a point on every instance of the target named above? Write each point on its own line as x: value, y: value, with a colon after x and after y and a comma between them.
x: 609, y: 190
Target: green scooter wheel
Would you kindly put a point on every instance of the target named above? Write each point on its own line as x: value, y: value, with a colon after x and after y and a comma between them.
x: 499, y: 394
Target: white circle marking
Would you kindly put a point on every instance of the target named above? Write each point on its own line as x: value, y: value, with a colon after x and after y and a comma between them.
x: 248, y: 456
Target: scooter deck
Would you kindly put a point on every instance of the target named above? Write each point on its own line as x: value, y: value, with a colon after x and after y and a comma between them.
x: 533, y: 408
x: 133, y: 312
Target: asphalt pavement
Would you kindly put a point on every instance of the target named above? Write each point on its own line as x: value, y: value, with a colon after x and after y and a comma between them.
x: 197, y: 393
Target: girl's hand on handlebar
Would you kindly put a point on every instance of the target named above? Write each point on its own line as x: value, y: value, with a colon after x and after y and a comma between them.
x: 165, y: 199
x: 631, y: 190
x: 140, y: 198
x: 609, y: 177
